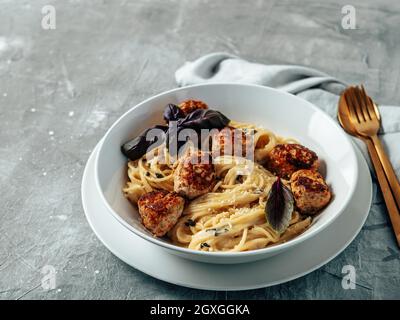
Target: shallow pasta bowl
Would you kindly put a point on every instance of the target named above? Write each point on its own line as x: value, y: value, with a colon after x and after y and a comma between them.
x: 283, y: 113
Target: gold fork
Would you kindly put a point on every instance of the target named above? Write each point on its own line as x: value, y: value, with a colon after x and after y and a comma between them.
x: 366, y: 118
x: 348, y: 117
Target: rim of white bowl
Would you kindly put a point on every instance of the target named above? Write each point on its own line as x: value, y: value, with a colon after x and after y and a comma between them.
x: 286, y: 245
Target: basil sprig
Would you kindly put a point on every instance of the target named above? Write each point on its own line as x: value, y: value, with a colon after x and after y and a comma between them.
x: 196, y: 120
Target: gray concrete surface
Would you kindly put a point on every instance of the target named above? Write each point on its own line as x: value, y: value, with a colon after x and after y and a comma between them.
x: 61, y: 89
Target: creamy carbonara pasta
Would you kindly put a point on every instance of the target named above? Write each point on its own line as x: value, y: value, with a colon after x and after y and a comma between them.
x: 231, y: 216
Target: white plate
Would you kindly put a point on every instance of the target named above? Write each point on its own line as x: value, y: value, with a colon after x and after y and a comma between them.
x: 280, y: 112
x: 292, y: 264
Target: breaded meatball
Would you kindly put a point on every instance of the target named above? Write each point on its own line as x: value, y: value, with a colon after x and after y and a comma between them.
x: 160, y: 210
x: 285, y: 159
x: 195, y: 175
x: 310, y: 191
x: 189, y: 106
x: 229, y: 141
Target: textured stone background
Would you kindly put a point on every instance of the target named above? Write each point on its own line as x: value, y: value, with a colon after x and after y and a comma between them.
x: 61, y: 89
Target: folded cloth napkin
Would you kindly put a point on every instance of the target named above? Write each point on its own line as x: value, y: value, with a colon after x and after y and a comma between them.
x: 317, y: 87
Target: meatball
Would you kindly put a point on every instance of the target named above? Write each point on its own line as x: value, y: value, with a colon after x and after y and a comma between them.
x: 310, y: 191
x: 189, y: 106
x: 232, y: 142
x: 285, y: 159
x: 195, y: 175
x: 160, y: 210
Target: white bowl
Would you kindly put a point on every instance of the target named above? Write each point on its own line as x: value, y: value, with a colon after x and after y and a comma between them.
x: 283, y: 113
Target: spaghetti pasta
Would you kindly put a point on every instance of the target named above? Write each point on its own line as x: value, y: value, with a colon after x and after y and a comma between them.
x: 232, y: 216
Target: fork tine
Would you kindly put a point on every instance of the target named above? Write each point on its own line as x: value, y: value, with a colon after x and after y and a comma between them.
x: 370, y: 105
x: 365, y: 98
x: 356, y: 105
x: 376, y: 110
x: 361, y: 105
x: 350, y: 101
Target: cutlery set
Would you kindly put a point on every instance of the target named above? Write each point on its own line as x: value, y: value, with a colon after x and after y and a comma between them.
x: 359, y: 116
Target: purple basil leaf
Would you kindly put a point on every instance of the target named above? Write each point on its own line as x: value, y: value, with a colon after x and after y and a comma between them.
x: 196, y: 120
x: 172, y: 113
x: 279, y: 206
x: 204, y: 119
x: 139, y: 146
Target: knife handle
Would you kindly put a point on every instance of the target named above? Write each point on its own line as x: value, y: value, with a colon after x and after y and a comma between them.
x: 386, y: 191
x: 388, y: 169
